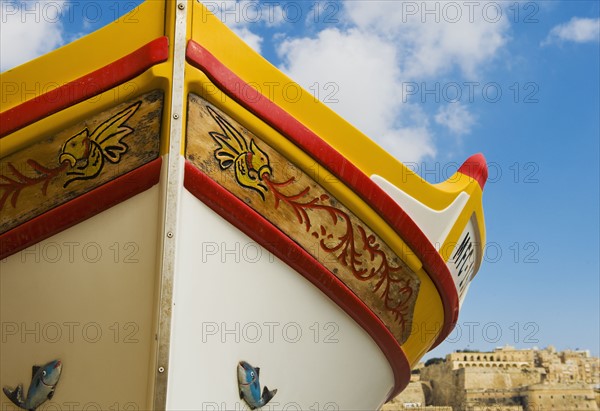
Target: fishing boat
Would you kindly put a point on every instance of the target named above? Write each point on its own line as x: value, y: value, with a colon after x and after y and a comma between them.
x: 174, y: 234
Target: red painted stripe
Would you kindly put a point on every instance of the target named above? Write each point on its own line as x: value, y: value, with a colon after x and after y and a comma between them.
x: 476, y: 168
x: 85, y: 87
x: 80, y: 208
x: 265, y: 233
x: 347, y: 172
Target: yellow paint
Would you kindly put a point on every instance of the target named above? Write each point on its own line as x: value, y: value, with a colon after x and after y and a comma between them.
x: 362, y: 152
x: 142, y: 25
x: 125, y: 35
x: 156, y: 18
x: 208, y: 31
x: 428, y: 320
x: 158, y: 77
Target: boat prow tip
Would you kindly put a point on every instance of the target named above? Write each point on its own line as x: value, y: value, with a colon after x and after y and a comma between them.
x: 476, y: 168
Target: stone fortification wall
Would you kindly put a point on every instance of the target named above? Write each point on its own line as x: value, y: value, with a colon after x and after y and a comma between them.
x: 443, y: 382
x: 505, y: 379
x: 559, y: 397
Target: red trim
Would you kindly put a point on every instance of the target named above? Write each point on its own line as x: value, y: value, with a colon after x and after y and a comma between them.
x: 262, y: 231
x: 80, y: 208
x: 94, y: 83
x: 308, y: 141
x: 476, y: 168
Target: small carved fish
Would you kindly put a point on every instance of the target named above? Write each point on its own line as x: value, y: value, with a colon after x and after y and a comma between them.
x: 87, y: 152
x: 250, y: 386
x: 251, y: 164
x: 41, y: 389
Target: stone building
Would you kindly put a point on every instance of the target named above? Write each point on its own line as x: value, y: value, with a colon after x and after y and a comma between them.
x: 575, y: 396
x: 506, y: 379
x: 569, y: 366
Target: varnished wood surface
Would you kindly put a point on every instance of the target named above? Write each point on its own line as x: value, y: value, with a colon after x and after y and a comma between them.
x: 78, y: 159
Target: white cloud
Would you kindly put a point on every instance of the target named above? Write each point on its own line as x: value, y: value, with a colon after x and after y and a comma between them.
x: 341, y: 69
x: 29, y: 29
x: 364, y: 81
x: 323, y: 12
x: 250, y: 38
x: 434, y: 37
x: 456, y: 117
x: 378, y: 47
x: 275, y: 15
x: 578, y: 30
x: 409, y: 144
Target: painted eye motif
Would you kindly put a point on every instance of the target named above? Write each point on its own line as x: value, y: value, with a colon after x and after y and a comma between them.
x: 252, y: 374
x: 43, y: 373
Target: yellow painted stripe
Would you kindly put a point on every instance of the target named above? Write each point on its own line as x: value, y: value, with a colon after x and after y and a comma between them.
x: 125, y: 35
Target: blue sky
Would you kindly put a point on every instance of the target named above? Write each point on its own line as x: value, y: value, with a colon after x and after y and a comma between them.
x: 437, y: 82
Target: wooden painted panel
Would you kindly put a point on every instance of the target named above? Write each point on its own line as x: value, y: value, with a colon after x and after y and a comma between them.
x: 257, y: 174
x: 78, y: 159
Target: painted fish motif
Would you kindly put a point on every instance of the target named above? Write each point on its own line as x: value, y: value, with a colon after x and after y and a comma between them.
x: 86, y: 153
x: 41, y: 389
x: 250, y: 163
x: 250, y: 386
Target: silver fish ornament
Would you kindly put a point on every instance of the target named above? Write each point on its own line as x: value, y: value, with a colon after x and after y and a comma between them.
x: 41, y: 389
x: 250, y: 386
